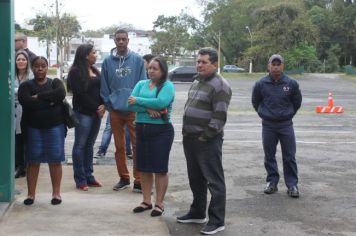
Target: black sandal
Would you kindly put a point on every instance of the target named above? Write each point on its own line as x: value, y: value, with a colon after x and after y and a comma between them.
x: 56, y: 201
x: 28, y: 201
x: 158, y: 211
x: 141, y: 208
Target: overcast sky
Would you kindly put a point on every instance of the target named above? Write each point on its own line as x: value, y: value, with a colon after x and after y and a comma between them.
x: 94, y: 14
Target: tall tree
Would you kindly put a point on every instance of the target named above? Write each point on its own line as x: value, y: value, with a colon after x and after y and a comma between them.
x: 337, y: 26
x: 171, y: 34
x: 272, y: 27
x: 44, y: 29
x: 69, y: 28
x: 107, y: 30
x: 283, y: 26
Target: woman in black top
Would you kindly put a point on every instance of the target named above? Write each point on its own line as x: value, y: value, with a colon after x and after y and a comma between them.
x: 84, y: 81
x: 42, y: 102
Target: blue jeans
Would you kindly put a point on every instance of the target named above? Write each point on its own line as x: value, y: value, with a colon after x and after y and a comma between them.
x: 106, y: 138
x: 84, y: 138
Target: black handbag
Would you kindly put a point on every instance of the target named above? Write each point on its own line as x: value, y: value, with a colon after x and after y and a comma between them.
x: 70, y: 120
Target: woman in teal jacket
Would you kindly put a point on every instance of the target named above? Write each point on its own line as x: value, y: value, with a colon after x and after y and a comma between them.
x: 152, y: 101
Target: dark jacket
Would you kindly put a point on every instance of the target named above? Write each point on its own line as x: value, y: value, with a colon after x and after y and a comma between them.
x: 46, y: 111
x: 276, y: 100
x: 86, y: 92
x: 31, y: 55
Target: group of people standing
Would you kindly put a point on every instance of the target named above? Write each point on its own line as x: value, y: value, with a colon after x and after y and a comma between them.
x: 141, y: 100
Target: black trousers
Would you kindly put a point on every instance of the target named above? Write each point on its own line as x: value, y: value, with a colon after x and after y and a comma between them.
x: 20, y: 151
x: 205, y: 171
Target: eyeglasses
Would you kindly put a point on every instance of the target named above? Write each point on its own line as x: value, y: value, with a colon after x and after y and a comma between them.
x: 18, y: 40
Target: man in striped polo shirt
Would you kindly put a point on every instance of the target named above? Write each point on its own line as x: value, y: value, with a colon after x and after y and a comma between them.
x: 204, y: 118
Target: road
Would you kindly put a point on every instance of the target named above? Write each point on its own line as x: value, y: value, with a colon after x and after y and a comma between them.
x: 325, y: 156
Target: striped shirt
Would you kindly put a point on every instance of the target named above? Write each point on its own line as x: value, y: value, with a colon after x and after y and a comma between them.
x: 205, y: 111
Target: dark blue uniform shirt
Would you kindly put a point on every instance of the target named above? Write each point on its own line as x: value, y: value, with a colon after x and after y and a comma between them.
x: 276, y: 100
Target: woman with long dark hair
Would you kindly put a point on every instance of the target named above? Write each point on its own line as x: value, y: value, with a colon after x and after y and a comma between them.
x: 42, y: 102
x: 152, y: 100
x: 84, y: 81
x: 22, y: 73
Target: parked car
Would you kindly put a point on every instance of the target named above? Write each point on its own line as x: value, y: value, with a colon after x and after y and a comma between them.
x: 232, y: 68
x: 182, y: 73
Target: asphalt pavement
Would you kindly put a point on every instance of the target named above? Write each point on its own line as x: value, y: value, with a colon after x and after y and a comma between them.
x: 327, y: 171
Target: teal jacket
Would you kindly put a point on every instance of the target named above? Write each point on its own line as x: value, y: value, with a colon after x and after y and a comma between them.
x: 146, y: 98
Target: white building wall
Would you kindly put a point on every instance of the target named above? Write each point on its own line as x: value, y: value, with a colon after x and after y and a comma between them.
x: 140, y: 45
x: 39, y: 48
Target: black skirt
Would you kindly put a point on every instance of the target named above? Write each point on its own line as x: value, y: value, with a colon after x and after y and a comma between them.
x: 153, y: 145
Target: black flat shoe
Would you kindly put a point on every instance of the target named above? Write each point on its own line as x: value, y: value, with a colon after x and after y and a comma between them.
x: 141, y: 208
x: 270, y: 188
x: 293, y: 192
x: 28, y: 201
x: 56, y: 201
x: 158, y: 211
x: 20, y: 172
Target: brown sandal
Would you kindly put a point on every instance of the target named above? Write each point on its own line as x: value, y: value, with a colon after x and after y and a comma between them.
x: 141, y: 208
x: 158, y: 211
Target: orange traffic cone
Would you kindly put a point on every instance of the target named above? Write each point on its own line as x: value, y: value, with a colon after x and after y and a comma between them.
x: 330, y: 108
x: 330, y: 100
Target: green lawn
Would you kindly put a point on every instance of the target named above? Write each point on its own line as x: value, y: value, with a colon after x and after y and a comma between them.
x: 242, y: 75
x: 52, y: 72
x: 349, y: 77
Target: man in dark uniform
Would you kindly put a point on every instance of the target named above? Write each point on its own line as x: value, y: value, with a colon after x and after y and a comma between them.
x: 277, y: 98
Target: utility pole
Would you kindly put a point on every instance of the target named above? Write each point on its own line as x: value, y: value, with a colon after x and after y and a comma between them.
x: 48, y: 50
x: 219, y: 49
x: 57, y: 33
x: 249, y: 31
x: 59, y: 46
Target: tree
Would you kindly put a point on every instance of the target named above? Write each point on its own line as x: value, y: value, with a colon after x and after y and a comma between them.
x: 332, y: 61
x: 226, y: 19
x: 171, y: 34
x: 47, y: 27
x: 275, y: 27
x: 337, y: 25
x: 44, y: 29
x: 345, y: 16
x: 107, y: 30
x: 303, y: 55
x: 283, y: 26
x: 69, y: 28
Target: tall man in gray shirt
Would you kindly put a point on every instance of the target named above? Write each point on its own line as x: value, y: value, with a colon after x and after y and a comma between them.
x: 204, y: 118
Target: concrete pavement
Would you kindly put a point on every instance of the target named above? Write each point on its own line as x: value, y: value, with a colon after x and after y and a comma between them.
x: 100, y: 211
